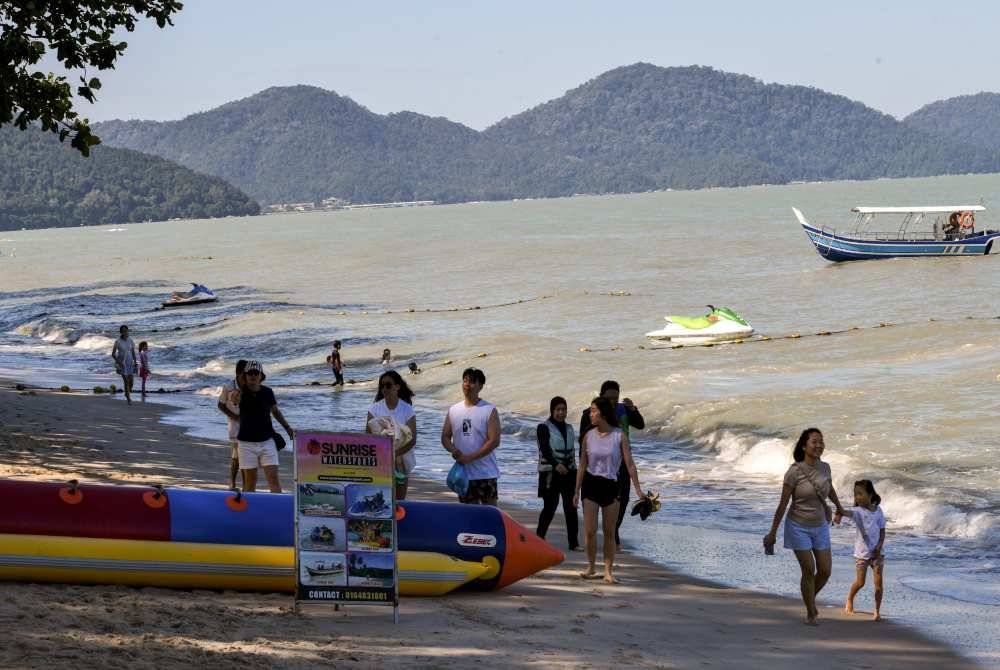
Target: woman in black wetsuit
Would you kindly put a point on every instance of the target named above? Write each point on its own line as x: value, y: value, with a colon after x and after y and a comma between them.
x: 557, y: 471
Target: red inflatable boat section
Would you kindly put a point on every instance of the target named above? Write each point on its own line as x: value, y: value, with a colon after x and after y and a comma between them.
x: 111, y: 512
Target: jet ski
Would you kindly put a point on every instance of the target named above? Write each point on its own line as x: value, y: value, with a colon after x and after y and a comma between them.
x: 197, y: 295
x: 372, y: 505
x: 721, y: 324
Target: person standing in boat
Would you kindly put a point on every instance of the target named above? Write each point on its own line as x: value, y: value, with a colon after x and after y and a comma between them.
x: 807, y: 485
x: 126, y: 361
x: 557, y: 471
x: 628, y: 416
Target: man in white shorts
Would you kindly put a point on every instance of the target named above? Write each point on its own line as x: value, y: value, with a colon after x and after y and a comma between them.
x: 256, y: 436
x: 232, y: 412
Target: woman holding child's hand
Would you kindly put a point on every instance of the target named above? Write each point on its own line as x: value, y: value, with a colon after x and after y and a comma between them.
x: 807, y: 485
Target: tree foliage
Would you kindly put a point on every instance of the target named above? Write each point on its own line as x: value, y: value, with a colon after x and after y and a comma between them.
x: 969, y: 119
x: 82, y: 37
x: 44, y: 184
x: 634, y: 128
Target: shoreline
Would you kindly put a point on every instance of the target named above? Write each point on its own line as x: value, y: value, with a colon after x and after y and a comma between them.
x: 655, y: 618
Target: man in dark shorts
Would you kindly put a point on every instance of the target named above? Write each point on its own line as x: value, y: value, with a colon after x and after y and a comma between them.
x: 628, y: 415
x: 336, y: 364
x: 471, y: 434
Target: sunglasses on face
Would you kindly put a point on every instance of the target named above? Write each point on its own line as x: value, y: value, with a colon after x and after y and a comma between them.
x: 387, y: 385
x: 252, y: 374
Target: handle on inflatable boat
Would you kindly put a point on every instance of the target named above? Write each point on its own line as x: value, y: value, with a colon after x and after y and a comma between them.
x: 71, y: 493
x: 237, y: 503
x: 156, y: 498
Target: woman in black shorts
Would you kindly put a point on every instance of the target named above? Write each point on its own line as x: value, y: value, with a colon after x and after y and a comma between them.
x: 604, y: 449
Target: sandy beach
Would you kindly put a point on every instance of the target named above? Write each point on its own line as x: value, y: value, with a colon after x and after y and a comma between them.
x: 654, y: 619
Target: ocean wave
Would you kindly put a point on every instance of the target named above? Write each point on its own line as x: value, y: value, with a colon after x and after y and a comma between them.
x: 91, y: 342
x: 213, y: 368
x: 908, y: 504
x: 48, y: 331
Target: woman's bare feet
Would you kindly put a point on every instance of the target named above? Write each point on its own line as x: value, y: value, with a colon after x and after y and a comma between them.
x: 849, y: 607
x: 590, y: 573
x: 610, y: 579
x: 876, y: 616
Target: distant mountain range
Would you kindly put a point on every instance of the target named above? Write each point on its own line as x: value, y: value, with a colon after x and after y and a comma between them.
x: 635, y: 128
x: 967, y: 119
x: 46, y: 184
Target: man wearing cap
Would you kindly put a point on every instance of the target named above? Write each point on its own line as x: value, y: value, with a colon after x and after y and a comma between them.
x: 471, y: 434
x: 256, y: 444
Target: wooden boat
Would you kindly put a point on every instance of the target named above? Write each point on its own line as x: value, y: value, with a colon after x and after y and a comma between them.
x: 945, y: 230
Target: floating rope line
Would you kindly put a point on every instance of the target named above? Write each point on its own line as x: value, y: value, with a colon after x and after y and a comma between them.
x: 439, y: 310
x: 753, y: 339
x: 26, y: 389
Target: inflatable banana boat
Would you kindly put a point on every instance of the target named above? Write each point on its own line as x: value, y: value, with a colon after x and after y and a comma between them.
x: 194, y: 538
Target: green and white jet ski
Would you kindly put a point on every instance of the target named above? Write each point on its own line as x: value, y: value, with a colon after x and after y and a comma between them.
x: 721, y: 324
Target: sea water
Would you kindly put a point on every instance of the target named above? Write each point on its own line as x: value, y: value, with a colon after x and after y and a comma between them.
x: 552, y: 297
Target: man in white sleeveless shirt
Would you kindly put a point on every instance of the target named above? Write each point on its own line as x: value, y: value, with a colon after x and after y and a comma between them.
x: 471, y: 434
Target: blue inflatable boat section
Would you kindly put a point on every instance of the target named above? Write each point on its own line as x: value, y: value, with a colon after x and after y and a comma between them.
x: 428, y: 526
x: 205, y: 516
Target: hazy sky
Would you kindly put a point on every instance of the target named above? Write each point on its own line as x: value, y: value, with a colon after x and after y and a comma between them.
x: 477, y: 62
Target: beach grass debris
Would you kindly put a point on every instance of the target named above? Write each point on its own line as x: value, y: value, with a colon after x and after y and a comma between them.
x: 100, y: 389
x: 64, y: 388
x: 19, y: 387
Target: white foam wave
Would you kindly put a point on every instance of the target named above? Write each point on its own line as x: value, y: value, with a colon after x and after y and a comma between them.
x: 92, y: 342
x: 924, y: 511
x: 47, y: 331
x: 216, y: 366
x: 749, y: 454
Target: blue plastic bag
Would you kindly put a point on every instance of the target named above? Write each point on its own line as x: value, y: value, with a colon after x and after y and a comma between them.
x: 458, y: 479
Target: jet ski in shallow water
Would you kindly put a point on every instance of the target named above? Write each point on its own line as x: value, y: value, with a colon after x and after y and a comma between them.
x: 197, y: 295
x: 721, y: 324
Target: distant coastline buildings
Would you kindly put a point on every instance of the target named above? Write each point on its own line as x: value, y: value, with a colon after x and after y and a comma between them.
x: 330, y: 204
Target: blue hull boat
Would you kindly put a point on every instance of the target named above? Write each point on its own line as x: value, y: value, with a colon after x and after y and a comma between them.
x: 954, y: 236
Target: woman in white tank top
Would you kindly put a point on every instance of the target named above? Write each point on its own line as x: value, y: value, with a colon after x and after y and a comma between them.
x: 605, y: 446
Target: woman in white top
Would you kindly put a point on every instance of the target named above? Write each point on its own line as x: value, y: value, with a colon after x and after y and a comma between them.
x: 604, y: 448
x: 394, y: 399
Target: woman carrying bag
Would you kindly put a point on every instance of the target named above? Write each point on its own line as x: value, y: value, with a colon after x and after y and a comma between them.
x: 807, y: 484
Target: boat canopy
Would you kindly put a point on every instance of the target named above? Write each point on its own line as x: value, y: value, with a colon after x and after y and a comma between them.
x: 937, y: 209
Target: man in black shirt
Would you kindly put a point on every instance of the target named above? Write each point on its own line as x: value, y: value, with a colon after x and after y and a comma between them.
x: 256, y: 437
x: 628, y: 416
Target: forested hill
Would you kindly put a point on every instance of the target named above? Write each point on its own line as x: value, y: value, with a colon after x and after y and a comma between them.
x: 302, y: 143
x: 641, y: 127
x: 634, y: 128
x: 46, y: 184
x: 970, y: 119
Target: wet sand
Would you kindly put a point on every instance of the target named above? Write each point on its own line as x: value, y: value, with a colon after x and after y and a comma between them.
x: 653, y: 619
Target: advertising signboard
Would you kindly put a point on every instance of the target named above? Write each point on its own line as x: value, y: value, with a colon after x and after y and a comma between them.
x: 345, y: 528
